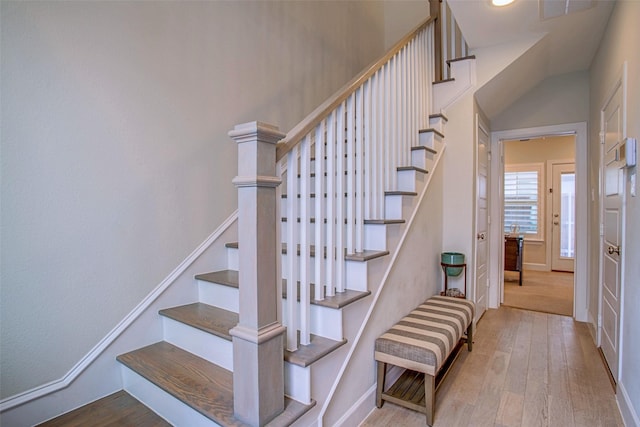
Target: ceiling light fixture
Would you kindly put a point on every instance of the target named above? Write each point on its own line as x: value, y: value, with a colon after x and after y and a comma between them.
x: 500, y: 3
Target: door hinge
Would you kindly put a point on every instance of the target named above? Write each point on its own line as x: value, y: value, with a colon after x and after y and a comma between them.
x: 601, y: 229
x: 601, y: 137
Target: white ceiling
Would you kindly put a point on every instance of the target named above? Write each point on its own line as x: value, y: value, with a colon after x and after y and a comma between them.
x: 569, y: 44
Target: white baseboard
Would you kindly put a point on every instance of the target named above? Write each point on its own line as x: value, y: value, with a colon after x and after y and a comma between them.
x: 364, y: 406
x: 535, y: 266
x: 629, y: 415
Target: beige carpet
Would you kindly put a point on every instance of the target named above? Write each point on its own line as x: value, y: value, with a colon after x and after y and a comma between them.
x: 548, y: 292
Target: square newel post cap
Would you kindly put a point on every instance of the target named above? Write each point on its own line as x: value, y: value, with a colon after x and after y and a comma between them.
x: 256, y: 131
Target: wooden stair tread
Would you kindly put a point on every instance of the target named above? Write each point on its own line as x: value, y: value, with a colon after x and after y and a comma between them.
x: 384, y: 221
x: 422, y: 147
x: 366, y: 221
x: 339, y: 300
x: 440, y: 116
x: 204, y: 317
x: 363, y: 256
x: 319, y: 347
x: 119, y: 408
x: 412, y: 168
x: 400, y: 193
x: 222, y: 277
x: 437, y: 132
x: 205, y: 387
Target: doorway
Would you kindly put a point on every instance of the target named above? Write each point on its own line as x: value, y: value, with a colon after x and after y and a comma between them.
x: 580, y: 279
x: 563, y: 210
x: 539, y: 211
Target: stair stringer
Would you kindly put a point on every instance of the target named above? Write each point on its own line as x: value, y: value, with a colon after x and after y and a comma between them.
x: 414, y: 264
x: 98, y: 374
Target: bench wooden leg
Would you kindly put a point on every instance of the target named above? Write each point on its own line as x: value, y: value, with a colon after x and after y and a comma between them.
x: 430, y: 397
x: 382, y: 373
x: 470, y: 336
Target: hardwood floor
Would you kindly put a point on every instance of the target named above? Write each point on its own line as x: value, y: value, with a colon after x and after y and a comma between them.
x: 526, y: 369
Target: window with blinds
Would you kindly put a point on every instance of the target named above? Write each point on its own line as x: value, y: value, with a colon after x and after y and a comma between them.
x: 522, y: 200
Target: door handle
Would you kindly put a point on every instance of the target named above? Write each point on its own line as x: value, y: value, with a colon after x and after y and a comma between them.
x: 614, y: 250
x: 480, y: 236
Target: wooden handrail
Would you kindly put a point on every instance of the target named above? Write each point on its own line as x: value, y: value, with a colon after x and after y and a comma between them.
x: 308, y: 123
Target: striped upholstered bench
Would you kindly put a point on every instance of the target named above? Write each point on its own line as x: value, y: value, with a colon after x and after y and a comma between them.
x: 424, y: 342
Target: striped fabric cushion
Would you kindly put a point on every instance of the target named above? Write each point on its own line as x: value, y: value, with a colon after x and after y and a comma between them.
x: 422, y: 340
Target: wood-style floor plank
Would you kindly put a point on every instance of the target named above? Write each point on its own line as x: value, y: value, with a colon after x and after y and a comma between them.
x: 526, y: 369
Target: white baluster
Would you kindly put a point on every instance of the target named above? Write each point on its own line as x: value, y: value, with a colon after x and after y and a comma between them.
x: 368, y: 152
x: 292, y: 240
x: 350, y: 169
x: 305, y: 257
x: 339, y: 196
x: 360, y: 170
x: 320, y: 214
x: 331, y: 204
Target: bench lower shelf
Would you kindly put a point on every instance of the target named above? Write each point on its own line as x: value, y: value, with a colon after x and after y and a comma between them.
x: 409, y: 390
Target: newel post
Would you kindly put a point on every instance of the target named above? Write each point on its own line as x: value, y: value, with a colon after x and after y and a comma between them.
x: 258, y: 373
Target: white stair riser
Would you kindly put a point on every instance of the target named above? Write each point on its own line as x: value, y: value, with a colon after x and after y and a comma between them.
x: 411, y: 180
x: 325, y: 322
x: 422, y: 159
x: 220, y: 296
x: 297, y: 382
x: 162, y: 403
x: 374, y: 236
x: 233, y: 260
x: 210, y: 347
x: 437, y: 123
x: 398, y: 206
x: 429, y: 139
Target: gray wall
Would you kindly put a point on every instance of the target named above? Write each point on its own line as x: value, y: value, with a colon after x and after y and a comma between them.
x: 620, y: 44
x: 556, y: 100
x: 115, y: 160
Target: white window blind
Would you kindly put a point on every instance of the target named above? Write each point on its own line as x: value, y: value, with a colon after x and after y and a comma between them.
x: 522, y: 200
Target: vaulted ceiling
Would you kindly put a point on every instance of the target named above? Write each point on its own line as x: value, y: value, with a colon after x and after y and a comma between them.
x: 569, y: 33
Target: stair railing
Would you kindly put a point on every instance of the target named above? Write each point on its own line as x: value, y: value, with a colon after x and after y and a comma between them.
x: 450, y: 43
x: 336, y: 166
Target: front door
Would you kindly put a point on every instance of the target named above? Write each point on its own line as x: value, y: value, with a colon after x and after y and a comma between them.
x: 613, y: 192
x: 481, y: 287
x: 563, y: 224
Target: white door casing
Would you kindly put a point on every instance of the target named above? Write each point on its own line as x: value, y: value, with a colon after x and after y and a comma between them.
x: 481, y: 282
x: 581, y: 277
x: 612, y: 132
x: 559, y: 260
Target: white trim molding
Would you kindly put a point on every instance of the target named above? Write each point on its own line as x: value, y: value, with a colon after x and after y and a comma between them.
x: 581, y: 281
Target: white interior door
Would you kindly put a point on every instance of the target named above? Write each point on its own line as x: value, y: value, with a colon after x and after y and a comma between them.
x: 563, y: 219
x: 613, y: 192
x: 481, y: 282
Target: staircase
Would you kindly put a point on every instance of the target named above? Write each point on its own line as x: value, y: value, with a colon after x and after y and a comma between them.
x: 353, y: 174
x: 187, y: 378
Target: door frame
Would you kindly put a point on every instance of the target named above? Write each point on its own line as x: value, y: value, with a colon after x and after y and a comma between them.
x: 581, y: 276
